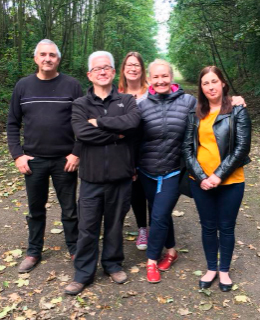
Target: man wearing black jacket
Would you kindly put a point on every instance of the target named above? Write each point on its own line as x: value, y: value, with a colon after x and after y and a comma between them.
x: 104, y: 121
x: 42, y: 102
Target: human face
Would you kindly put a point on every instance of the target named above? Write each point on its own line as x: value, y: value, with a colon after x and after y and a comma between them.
x: 160, y: 78
x: 47, y: 59
x: 212, y: 87
x: 132, y: 69
x: 102, y: 78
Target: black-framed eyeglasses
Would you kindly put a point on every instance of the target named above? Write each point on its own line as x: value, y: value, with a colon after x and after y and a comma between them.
x: 131, y: 65
x: 99, y: 69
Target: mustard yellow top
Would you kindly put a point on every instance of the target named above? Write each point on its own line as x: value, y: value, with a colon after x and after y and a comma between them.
x: 208, y: 153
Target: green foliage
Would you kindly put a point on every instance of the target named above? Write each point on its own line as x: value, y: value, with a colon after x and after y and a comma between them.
x: 219, y: 32
x: 78, y: 27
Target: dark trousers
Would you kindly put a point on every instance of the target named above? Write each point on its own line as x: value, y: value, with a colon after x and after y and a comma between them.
x: 111, y: 200
x: 37, y: 186
x: 218, y: 209
x: 161, y: 232
x: 138, y: 202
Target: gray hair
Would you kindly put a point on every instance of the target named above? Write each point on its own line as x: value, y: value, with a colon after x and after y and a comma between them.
x: 97, y: 54
x: 160, y: 62
x: 47, y: 41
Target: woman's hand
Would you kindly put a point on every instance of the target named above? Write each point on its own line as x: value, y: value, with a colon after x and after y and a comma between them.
x: 206, y: 184
x: 214, y: 180
x: 211, y: 182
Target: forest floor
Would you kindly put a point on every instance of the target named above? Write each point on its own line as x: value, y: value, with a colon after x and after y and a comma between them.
x: 39, y: 294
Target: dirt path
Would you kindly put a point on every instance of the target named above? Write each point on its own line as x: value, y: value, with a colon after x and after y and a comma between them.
x: 39, y: 295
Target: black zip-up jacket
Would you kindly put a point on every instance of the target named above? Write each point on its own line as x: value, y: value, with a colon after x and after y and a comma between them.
x: 233, y: 136
x: 163, y: 126
x: 104, y: 156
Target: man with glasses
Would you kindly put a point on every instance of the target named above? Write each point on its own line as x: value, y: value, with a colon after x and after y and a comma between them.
x: 104, y: 121
x: 42, y: 101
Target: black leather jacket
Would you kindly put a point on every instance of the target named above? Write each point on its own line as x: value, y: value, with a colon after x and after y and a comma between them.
x: 233, y: 136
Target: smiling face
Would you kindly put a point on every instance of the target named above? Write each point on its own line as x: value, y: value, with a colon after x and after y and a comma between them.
x: 132, y: 69
x: 47, y: 59
x: 101, y: 77
x: 212, y: 87
x: 160, y: 78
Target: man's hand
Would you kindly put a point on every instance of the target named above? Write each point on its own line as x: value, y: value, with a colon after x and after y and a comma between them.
x: 93, y: 122
x: 72, y: 163
x: 21, y: 164
x: 237, y: 101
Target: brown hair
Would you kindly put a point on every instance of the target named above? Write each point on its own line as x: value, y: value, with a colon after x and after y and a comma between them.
x: 203, y: 108
x: 122, y: 84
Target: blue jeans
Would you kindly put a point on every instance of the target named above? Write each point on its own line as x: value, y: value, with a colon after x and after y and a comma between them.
x: 37, y: 187
x: 161, y: 232
x: 218, y: 209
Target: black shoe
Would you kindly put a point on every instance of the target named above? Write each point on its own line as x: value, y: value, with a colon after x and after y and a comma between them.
x: 225, y: 287
x: 207, y: 284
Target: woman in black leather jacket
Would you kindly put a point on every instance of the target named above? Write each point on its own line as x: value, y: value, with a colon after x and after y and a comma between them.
x: 216, y: 147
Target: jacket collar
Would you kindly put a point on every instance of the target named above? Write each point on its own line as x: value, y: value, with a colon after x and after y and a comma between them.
x: 176, y: 92
x: 114, y: 95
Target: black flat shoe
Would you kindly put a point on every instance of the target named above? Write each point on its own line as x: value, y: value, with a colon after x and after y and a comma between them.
x: 207, y: 284
x: 225, y: 287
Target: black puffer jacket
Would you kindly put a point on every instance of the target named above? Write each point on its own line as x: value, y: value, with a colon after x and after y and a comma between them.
x: 104, y: 156
x: 163, y: 127
x: 233, y: 136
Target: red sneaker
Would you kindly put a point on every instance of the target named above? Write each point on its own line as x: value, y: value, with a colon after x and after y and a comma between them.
x: 167, y: 261
x: 153, y: 274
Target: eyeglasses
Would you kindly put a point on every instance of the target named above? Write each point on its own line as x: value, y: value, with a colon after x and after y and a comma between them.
x: 99, y: 69
x: 131, y: 65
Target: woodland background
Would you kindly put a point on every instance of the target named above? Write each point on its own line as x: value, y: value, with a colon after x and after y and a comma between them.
x: 202, y: 32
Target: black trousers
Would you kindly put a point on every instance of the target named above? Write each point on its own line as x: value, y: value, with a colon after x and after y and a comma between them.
x: 138, y: 202
x: 111, y: 200
x: 37, y: 187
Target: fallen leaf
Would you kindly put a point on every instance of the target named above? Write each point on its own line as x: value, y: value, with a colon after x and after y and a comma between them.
x: 21, y: 282
x: 225, y: 303
x: 132, y: 233
x: 242, y: 299
x: 198, y: 273
x: 57, y: 223
x: 207, y: 292
x: 2, y: 268
x: 14, y: 297
x: 183, y: 250
x: 178, y: 213
x: 130, y: 238
x: 234, y: 287
x: 240, y: 243
x: 52, y: 276
x: 251, y: 247
x: 64, y: 278
x: 17, y: 253
x: 56, y: 300
x: 134, y: 269
x: 184, y: 312
x: 205, y: 306
x: 45, y: 305
x: 56, y: 231
x: 30, y: 313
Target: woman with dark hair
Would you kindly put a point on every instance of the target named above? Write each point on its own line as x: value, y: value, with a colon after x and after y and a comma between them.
x: 132, y: 80
x: 215, y: 148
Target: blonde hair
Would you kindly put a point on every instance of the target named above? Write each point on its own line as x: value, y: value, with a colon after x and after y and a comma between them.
x: 160, y: 62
